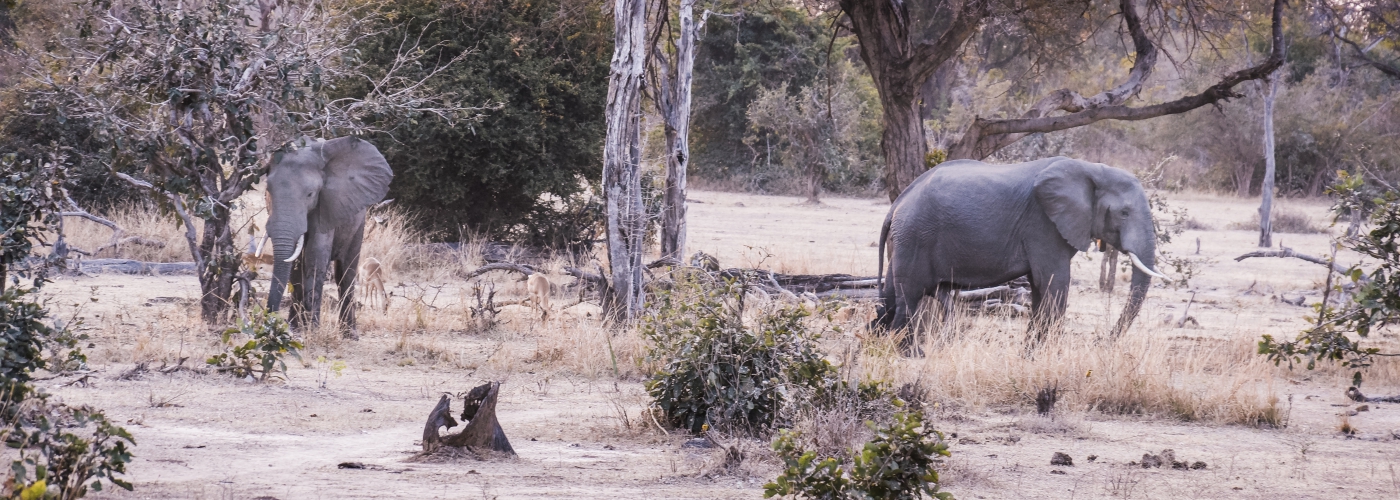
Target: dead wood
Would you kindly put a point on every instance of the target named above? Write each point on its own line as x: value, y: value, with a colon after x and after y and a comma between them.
x: 1355, y: 395
x: 483, y: 431
x: 1286, y: 252
x: 125, y: 266
x: 498, y: 266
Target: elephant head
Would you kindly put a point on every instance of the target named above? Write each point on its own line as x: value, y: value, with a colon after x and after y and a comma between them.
x: 1089, y: 201
x: 325, y: 185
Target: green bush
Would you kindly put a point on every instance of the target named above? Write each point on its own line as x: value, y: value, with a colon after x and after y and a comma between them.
x: 56, y: 453
x: 897, y: 464
x: 716, y: 369
x: 543, y: 67
x: 269, y: 339
x: 1375, y: 300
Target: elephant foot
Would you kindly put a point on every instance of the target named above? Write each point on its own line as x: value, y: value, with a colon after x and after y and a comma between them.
x: 349, y: 333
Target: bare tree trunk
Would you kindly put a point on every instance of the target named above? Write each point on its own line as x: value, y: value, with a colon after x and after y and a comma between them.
x: 220, y: 268
x: 1266, y: 226
x: 626, y: 217
x: 902, y: 141
x: 1244, y: 178
x: 674, y: 101
x: 900, y: 64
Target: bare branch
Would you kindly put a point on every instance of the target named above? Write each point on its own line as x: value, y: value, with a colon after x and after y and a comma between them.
x: 985, y: 136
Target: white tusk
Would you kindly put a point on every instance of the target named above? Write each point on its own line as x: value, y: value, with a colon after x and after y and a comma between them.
x: 1141, y: 267
x: 261, y: 245
x: 302, y: 240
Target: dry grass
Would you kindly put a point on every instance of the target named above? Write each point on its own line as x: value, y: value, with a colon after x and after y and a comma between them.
x: 1145, y: 373
x: 137, y: 220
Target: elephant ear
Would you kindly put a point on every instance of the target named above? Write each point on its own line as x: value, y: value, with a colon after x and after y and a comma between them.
x: 356, y: 175
x: 1065, y: 190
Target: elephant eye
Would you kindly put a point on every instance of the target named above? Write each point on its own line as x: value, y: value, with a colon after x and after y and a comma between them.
x: 1125, y: 212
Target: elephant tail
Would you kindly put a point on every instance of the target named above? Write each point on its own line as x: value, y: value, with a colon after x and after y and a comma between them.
x: 880, y: 265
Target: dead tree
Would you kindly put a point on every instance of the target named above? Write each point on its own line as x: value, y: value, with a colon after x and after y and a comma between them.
x: 622, y: 188
x: 483, y: 431
x: 671, y: 82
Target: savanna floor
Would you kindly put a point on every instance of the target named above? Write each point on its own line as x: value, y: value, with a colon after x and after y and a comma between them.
x: 572, y: 399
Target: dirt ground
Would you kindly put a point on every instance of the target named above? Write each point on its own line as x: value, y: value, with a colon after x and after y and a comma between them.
x: 580, y: 432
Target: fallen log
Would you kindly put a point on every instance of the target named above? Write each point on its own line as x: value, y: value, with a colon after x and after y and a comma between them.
x: 498, y: 266
x: 125, y: 266
x: 1355, y: 394
x: 483, y: 431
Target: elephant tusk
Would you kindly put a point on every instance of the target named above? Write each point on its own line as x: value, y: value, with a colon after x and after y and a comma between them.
x: 261, y: 244
x: 302, y: 240
x: 1142, y: 267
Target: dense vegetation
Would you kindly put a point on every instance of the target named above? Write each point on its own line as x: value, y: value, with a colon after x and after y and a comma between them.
x: 543, y: 68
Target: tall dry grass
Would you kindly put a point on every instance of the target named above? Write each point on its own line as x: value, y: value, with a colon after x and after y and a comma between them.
x: 979, y: 361
x: 143, y: 220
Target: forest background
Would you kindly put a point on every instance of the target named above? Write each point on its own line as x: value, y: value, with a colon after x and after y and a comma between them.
x: 783, y: 104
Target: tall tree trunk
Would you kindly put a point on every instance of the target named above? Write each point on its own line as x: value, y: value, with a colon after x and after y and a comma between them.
x: 902, y: 141
x: 676, y: 111
x: 1266, y: 226
x: 1244, y: 179
x: 626, y: 217
x: 900, y: 63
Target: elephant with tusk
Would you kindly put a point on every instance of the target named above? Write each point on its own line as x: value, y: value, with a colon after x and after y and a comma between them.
x: 968, y: 224
x: 317, y: 198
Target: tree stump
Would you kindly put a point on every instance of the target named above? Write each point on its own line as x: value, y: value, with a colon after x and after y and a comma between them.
x: 482, y: 432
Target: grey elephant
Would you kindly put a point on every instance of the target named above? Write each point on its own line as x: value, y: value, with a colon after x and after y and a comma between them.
x: 968, y: 224
x: 317, y: 198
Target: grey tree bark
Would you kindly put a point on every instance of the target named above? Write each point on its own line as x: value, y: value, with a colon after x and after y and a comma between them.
x: 626, y: 217
x: 1266, y: 225
x: 673, y: 101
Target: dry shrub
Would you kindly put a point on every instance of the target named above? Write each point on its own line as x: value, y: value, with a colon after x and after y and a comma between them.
x: 1285, y: 221
x: 1191, y: 224
x: 391, y: 238
x: 1144, y: 373
x: 586, y: 347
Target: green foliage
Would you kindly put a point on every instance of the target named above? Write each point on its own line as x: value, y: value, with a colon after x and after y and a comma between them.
x: 1375, y: 295
x: 769, y: 46
x: 53, y: 460
x: 268, y: 340
x: 28, y: 208
x: 897, y: 464
x: 718, y: 370
x: 522, y: 171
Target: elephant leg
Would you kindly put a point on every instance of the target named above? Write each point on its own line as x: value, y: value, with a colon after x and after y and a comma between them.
x: 347, y: 256
x: 345, y: 278
x: 944, y: 295
x: 907, y: 299
x: 297, y: 282
x: 317, y: 260
x: 1049, y: 298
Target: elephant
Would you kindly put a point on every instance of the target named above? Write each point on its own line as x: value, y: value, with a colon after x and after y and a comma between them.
x: 967, y: 224
x: 318, y: 195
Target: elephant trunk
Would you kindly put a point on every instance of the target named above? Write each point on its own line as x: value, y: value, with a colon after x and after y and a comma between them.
x: 285, y: 247
x: 1143, y: 272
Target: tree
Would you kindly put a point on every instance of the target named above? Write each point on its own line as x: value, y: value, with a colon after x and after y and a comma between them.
x: 622, y: 187
x: 1266, y: 229
x: 671, y: 83
x: 542, y: 66
x: 903, y: 51
x: 763, y: 46
x: 199, y: 95
x: 1370, y: 30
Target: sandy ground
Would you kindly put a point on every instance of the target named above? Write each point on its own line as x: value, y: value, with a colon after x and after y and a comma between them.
x: 580, y: 436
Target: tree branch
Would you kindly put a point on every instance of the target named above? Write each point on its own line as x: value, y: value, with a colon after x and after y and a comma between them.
x: 985, y: 137
x: 1288, y: 252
